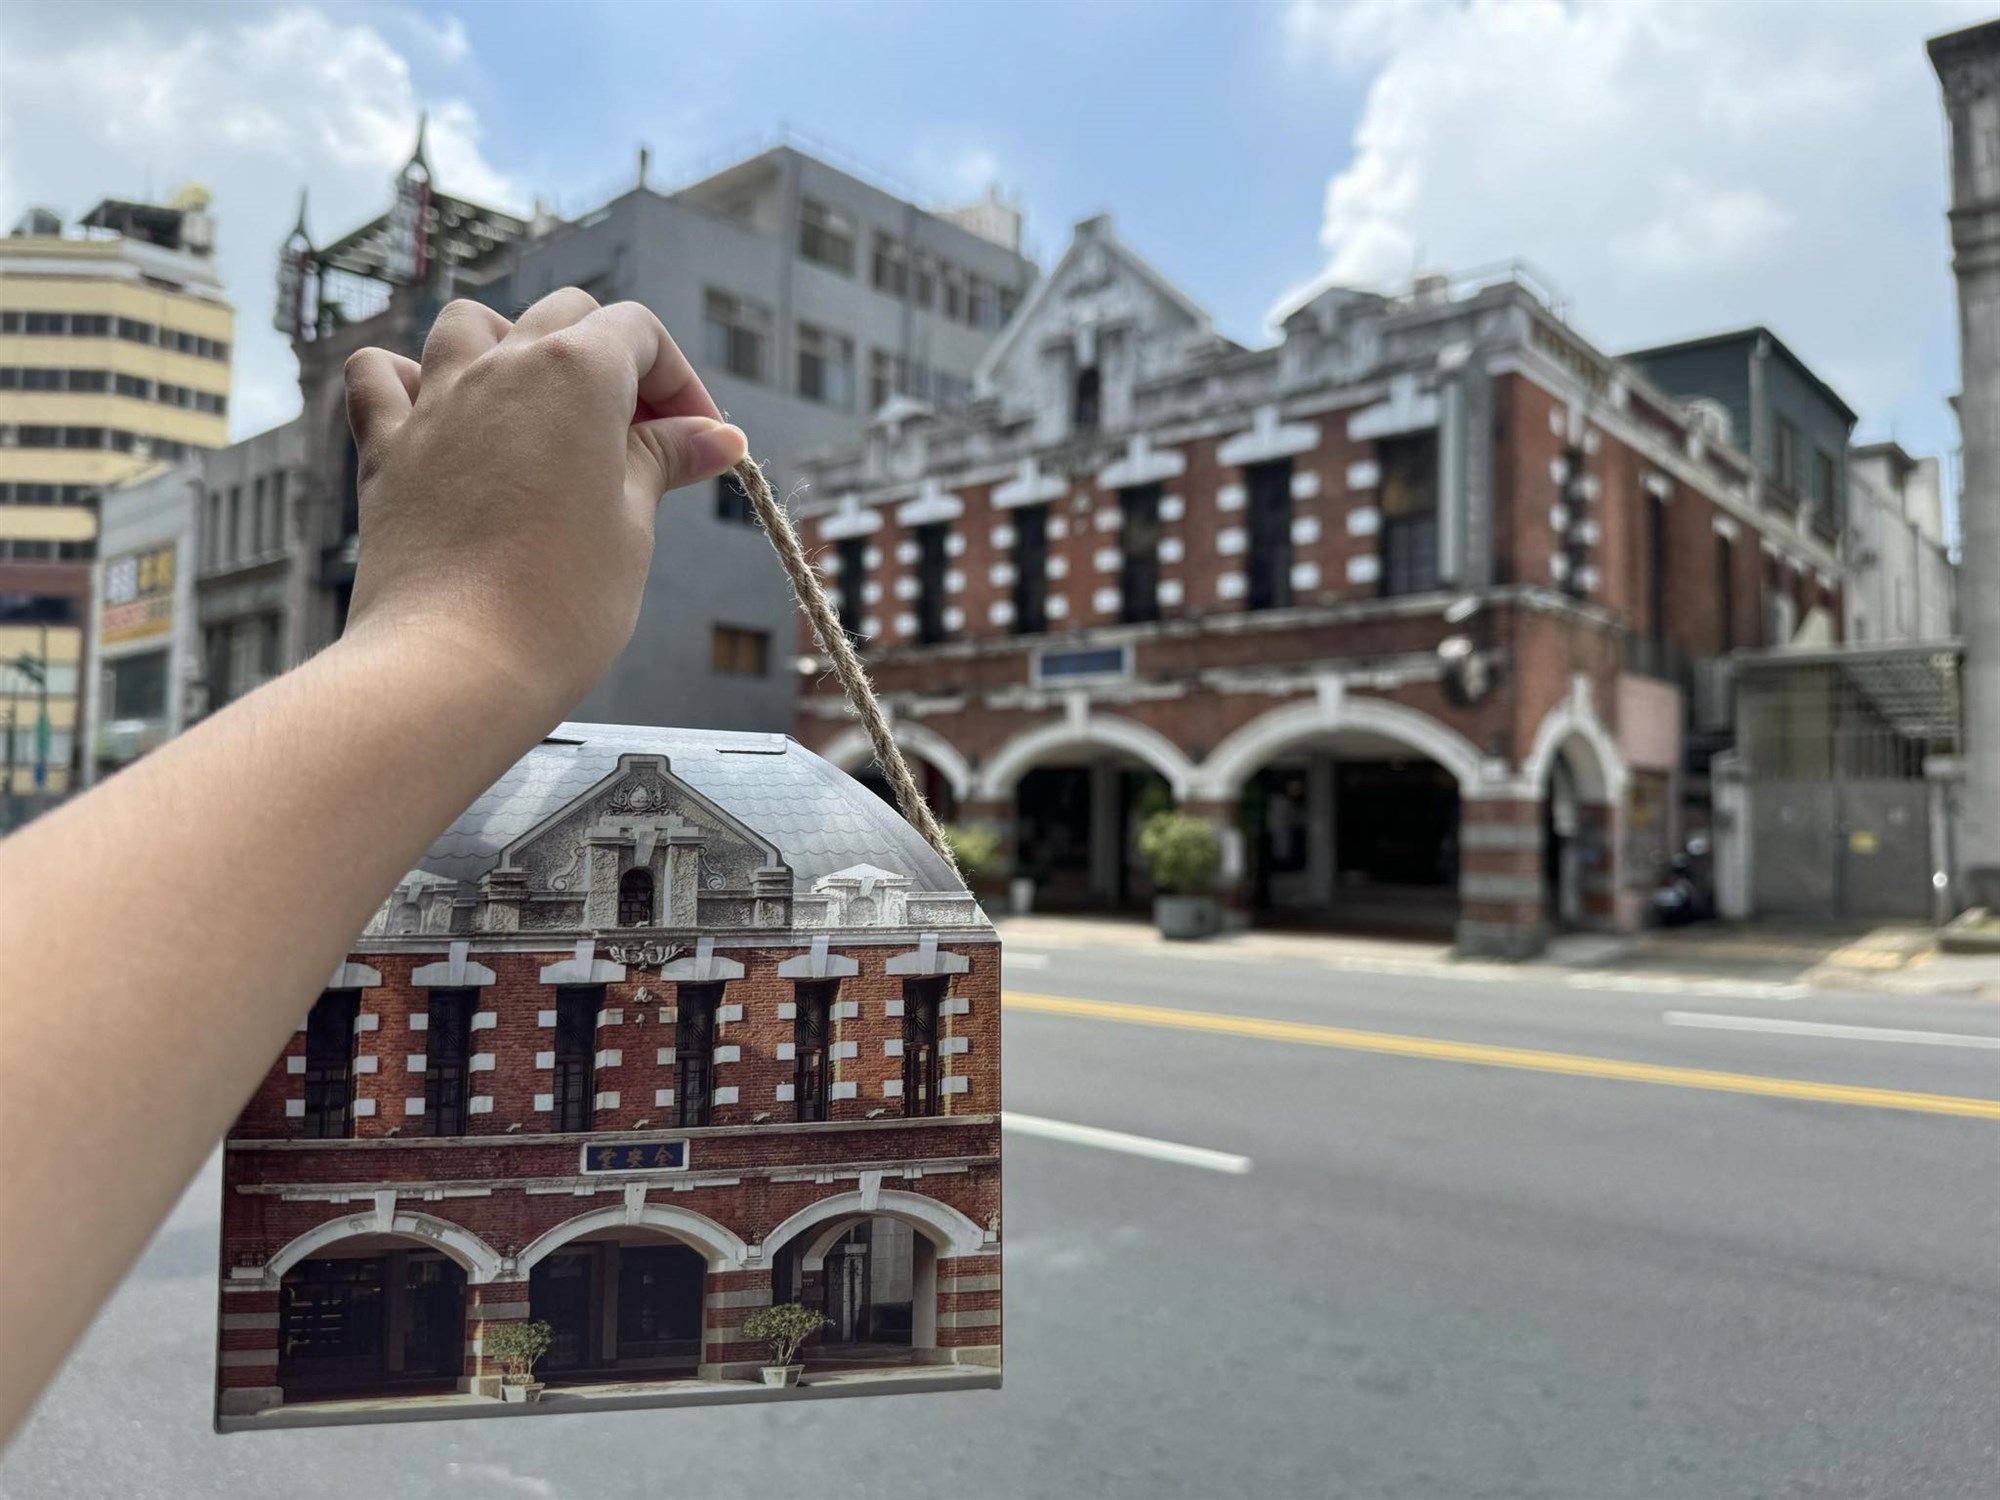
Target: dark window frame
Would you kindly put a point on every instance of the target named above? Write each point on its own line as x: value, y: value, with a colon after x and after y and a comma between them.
x: 812, y: 1049
x: 1268, y: 512
x: 1031, y: 569
x: 448, y: 1061
x: 1139, y: 533
x: 933, y: 561
x: 574, y: 1084
x: 329, y: 1075
x: 696, y: 1009
x: 923, y: 1068
x: 637, y: 897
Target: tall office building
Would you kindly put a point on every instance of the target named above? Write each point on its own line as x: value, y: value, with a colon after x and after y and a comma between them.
x: 809, y: 299
x: 114, y: 359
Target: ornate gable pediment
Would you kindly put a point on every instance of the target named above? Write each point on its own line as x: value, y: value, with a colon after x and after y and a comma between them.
x: 702, y: 866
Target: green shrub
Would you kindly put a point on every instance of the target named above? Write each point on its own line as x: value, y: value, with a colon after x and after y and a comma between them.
x: 784, y: 1326
x: 975, y: 847
x: 516, y: 1346
x: 1182, y: 853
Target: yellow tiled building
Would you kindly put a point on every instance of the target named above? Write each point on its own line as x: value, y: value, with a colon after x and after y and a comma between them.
x: 115, y: 345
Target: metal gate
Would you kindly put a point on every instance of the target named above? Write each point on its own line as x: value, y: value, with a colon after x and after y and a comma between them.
x: 1829, y: 851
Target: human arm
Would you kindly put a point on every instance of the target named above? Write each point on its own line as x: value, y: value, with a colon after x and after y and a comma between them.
x: 161, y: 936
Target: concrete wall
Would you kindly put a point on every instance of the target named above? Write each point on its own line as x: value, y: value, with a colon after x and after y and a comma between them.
x: 668, y: 252
x: 159, y: 511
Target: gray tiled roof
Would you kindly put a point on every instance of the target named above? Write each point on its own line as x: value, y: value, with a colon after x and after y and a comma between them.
x: 821, y: 819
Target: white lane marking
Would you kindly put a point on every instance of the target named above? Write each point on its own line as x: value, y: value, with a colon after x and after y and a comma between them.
x: 1118, y: 1140
x: 1664, y: 984
x: 1830, y: 1029
x: 1024, y: 960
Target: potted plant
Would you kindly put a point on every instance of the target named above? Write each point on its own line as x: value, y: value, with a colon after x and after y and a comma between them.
x: 1183, y: 855
x: 515, y: 1347
x: 784, y: 1326
x: 976, y: 847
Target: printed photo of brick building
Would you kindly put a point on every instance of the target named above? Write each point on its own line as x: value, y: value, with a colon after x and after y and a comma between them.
x: 670, y: 1025
x: 1427, y: 605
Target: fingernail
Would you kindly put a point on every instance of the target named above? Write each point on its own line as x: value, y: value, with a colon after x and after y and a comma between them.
x: 719, y: 447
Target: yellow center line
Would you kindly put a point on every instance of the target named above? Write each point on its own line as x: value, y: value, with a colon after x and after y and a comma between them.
x: 1485, y: 1054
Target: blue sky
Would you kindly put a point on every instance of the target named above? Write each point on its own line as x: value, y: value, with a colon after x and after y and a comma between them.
x: 1673, y: 166
x: 1182, y: 118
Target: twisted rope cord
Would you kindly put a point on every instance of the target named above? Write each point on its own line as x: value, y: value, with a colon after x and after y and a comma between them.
x: 825, y: 620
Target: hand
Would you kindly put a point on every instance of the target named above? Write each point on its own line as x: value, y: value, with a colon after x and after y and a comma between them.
x: 508, y: 486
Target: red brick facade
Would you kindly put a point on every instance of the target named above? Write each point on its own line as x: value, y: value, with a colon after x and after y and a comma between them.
x: 1555, y: 472
x: 442, y: 1218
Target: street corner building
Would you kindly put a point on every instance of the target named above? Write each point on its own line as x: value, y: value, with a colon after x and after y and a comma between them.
x: 1428, y: 607
x: 669, y: 1026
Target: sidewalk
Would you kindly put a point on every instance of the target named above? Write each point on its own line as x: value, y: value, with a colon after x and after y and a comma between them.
x: 1893, y: 958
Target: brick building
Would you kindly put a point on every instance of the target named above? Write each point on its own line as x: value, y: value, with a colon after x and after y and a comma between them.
x: 1421, y: 604
x: 668, y: 1025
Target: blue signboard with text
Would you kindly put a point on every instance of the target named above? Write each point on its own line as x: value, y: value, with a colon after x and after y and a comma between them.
x: 636, y: 1156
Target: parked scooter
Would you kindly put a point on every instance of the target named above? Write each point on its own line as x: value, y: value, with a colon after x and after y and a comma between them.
x: 1686, y: 892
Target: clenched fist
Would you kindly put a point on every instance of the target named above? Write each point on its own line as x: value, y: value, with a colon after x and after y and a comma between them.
x: 508, y: 485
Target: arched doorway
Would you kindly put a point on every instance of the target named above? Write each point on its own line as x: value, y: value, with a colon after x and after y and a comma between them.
x: 874, y: 1277
x: 619, y: 1301
x: 1578, y: 818
x: 370, y: 1315
x: 1348, y: 810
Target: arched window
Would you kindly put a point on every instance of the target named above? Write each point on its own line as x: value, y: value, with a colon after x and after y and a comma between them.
x: 635, y: 899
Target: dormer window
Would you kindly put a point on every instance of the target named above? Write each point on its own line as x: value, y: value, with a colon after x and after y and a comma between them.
x: 635, y: 899
x: 1086, y: 400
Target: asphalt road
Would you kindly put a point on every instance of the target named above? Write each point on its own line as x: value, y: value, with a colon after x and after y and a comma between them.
x: 1459, y: 1269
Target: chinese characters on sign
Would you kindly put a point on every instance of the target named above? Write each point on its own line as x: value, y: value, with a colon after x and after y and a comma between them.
x: 644, y: 1156
x: 138, y: 595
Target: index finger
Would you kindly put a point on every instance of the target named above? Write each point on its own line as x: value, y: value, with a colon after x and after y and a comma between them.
x: 668, y: 385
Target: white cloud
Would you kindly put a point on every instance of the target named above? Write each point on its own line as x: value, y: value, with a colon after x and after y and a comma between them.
x: 1674, y: 166
x: 955, y: 172
x: 254, y: 105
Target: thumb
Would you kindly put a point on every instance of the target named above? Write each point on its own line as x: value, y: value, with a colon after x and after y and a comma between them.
x: 667, y: 452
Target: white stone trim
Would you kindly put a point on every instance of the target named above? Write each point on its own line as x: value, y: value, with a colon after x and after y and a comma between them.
x: 932, y: 505
x: 786, y: 1051
x: 892, y: 1088
x: 1364, y: 568
x: 849, y: 520
x: 545, y: 1061
x: 892, y: 1046
x: 954, y: 1085
x: 545, y: 1104
x: 457, y: 972
x: 295, y: 1109
x: 479, y: 1260
x: 416, y: 1062
x: 605, y: 1099
x: 1106, y: 601
x: 1364, y: 520
x: 364, y: 1109
x: 954, y: 1005
x: 1305, y: 575
x: 728, y: 1054
x: 1231, y: 585
x: 1331, y: 711
x: 1305, y: 484
x: 353, y: 976
x: 1142, y: 464
x: 850, y: 751
x: 1001, y: 575
x: 731, y: 1012
x: 1019, y: 755
x: 1172, y: 507
x: 1231, y: 496
x: 1108, y: 559
x: 1363, y: 474
x: 1406, y: 410
x: 1000, y: 612
x: 1231, y: 541
x: 584, y: 968
x: 367, y: 1062
x: 703, y: 967
x: 413, y: 1107
x: 420, y: 1020
x: 1172, y: 549
x: 1171, y: 591
x: 1029, y: 486
x: 845, y: 1090
x: 786, y: 1093
x: 609, y: 1057
x: 1305, y: 530
x: 479, y: 1104
x: 1109, y: 519
x: 1727, y: 526
x: 1058, y: 606
x: 953, y: 1046
x: 295, y: 1065
x: 927, y: 959
x: 545, y: 1018
x: 944, y: 1226
x: 662, y: 1098
x: 367, y: 1020
x: 726, y: 1094
x: 843, y: 1049
x: 1001, y: 535
x: 1268, y: 437
x: 723, y: 1248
